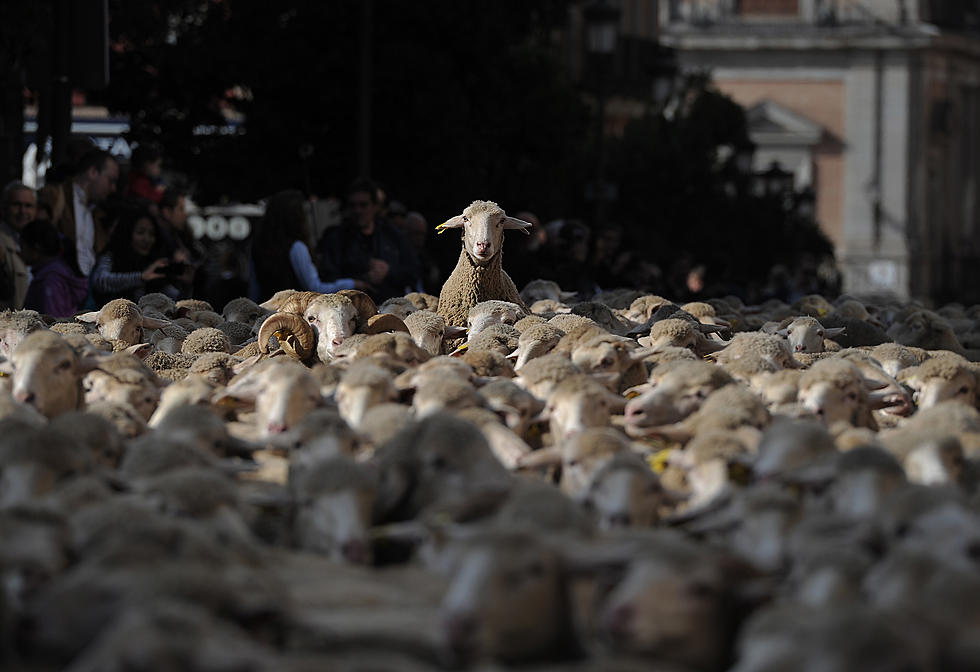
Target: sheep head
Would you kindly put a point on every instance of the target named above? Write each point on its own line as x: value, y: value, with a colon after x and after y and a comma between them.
x: 122, y: 320
x: 328, y: 319
x: 47, y: 373
x: 483, y: 224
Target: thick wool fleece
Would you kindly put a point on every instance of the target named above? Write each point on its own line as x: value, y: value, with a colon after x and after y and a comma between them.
x: 469, y: 284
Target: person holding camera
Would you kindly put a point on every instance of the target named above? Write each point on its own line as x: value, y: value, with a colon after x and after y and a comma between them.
x: 135, y: 262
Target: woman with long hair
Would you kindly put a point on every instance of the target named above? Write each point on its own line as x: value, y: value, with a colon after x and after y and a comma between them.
x: 281, y: 250
x: 135, y: 262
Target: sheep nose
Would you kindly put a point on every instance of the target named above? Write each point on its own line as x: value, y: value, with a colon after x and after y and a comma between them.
x: 356, y: 551
x: 482, y: 247
x: 634, y: 412
x: 24, y: 396
x: 276, y: 427
x: 799, y: 348
x: 337, y: 340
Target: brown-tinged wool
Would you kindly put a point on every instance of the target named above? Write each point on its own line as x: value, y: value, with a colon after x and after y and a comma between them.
x: 397, y: 345
x: 526, y: 322
x: 947, y: 368
x: 65, y: 328
x: 206, y: 339
x: 423, y: 301
x: 643, y: 308
x: 553, y: 368
x: 602, y: 314
x: 577, y: 335
x: 398, y: 305
x: 194, y: 305
x: 159, y: 360
x: 673, y: 332
x: 205, y: 318
x: 838, y: 372
x: 470, y: 283
x: 699, y: 309
x: 489, y: 363
x: 501, y: 338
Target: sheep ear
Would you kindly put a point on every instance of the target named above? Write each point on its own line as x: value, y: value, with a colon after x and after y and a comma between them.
x: 645, y: 342
x: 642, y: 353
x: 154, y: 323
x: 90, y: 317
x: 513, y: 355
x: 454, y: 223
x: 140, y: 350
x: 543, y: 457
x: 566, y: 296
x: 454, y: 332
x: 781, y: 332
x: 514, y: 223
x: 831, y: 332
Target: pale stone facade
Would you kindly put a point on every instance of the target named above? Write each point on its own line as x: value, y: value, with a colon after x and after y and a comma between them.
x: 873, y: 105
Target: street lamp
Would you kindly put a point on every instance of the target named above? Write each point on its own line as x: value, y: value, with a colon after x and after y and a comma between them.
x: 602, y: 31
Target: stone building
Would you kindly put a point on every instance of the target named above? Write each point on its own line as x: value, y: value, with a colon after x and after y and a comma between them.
x: 876, y: 105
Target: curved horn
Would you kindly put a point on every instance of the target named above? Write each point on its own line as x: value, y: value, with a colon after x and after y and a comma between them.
x: 295, y: 335
x: 382, y: 322
x: 363, y: 304
x: 297, y: 302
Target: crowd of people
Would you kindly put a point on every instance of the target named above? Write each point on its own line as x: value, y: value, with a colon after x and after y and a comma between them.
x: 101, y: 229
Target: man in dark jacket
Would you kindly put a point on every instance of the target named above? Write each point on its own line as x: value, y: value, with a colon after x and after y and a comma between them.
x: 366, y: 247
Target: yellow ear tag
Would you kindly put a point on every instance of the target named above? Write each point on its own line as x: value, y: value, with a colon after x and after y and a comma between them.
x: 632, y: 394
x: 659, y: 460
x: 228, y: 402
x: 441, y: 228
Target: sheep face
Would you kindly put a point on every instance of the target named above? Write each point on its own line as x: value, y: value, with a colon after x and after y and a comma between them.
x: 483, y: 224
x: 674, y: 611
x: 334, y: 318
x: 483, y: 314
x: 506, y: 601
x: 806, y: 334
x: 282, y: 393
x: 625, y: 495
x: 355, y: 395
x: 122, y: 387
x: 334, y: 506
x: 578, y: 403
x: 962, y: 387
x: 47, y: 374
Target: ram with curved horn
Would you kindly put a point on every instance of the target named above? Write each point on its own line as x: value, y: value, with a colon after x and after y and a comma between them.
x: 309, y: 323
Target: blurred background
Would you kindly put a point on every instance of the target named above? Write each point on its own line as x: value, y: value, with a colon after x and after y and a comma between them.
x: 703, y: 147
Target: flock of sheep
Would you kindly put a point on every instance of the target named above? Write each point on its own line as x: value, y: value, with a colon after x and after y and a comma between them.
x: 490, y: 479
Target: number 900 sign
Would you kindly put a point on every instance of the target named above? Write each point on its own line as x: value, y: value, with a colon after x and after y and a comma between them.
x: 218, y: 227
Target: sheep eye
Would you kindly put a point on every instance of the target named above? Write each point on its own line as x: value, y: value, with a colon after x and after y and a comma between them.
x: 63, y: 366
x: 852, y: 396
x: 963, y: 390
x: 310, y: 318
x: 465, y: 219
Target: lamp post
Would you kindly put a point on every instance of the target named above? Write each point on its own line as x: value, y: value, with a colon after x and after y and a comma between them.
x: 602, y: 28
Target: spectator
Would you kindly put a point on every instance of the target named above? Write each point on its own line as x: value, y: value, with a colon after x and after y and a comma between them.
x: 135, y: 262
x: 18, y: 206
x: 54, y: 289
x: 145, y: 167
x: 93, y: 180
x: 281, y: 251
x: 415, y: 231
x: 178, y: 240
x: 367, y: 248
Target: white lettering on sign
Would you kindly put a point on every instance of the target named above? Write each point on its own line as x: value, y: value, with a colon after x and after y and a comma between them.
x: 197, y: 224
x: 239, y: 228
x: 217, y: 227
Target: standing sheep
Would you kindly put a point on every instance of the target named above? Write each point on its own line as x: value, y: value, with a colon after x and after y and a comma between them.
x: 479, y: 274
